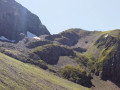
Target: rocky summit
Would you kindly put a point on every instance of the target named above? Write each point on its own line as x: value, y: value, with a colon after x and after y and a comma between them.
x: 16, y: 21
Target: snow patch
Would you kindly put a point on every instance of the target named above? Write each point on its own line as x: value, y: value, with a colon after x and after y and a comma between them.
x: 5, y: 39
x: 37, y: 38
x: 106, y: 35
x: 30, y: 35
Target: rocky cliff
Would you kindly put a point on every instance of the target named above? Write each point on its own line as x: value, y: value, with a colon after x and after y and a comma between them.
x: 104, y: 56
x: 50, y: 53
x: 16, y: 21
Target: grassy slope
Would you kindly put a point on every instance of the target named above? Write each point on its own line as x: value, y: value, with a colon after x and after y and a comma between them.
x: 104, y: 52
x: 94, y: 51
x: 15, y: 75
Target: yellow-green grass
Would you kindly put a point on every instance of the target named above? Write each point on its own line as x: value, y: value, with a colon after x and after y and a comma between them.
x: 113, y: 33
x: 99, y: 56
x: 16, y: 75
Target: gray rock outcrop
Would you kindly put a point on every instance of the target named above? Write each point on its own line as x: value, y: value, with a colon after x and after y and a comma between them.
x: 16, y: 19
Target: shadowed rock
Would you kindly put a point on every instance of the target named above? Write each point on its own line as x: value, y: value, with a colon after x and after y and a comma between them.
x: 15, y: 19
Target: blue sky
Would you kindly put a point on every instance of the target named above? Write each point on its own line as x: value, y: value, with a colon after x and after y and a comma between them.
x: 59, y: 15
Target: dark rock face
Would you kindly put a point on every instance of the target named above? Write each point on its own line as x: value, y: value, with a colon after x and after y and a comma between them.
x: 108, y: 64
x: 65, y: 38
x: 34, y: 43
x: 111, y: 70
x: 72, y: 37
x: 15, y: 19
x: 50, y: 53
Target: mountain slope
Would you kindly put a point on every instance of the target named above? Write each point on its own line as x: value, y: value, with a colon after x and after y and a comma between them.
x: 50, y: 53
x: 104, y: 56
x: 75, y: 38
x: 15, y: 75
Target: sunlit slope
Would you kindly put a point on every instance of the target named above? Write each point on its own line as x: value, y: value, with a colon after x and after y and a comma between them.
x: 15, y: 75
x: 104, y: 56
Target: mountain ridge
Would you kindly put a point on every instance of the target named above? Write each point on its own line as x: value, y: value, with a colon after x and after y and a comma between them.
x: 78, y: 55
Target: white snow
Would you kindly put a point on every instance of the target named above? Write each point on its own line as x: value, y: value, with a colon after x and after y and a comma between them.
x: 106, y: 35
x: 5, y: 39
x: 30, y: 35
x: 37, y: 38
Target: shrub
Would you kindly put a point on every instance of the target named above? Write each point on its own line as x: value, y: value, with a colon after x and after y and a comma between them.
x: 77, y: 75
x: 42, y: 64
x: 81, y: 59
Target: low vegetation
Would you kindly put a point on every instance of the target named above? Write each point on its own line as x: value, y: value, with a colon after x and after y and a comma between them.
x: 102, y: 52
x: 81, y: 59
x: 77, y: 75
x: 15, y: 75
x: 50, y: 53
x: 34, y: 43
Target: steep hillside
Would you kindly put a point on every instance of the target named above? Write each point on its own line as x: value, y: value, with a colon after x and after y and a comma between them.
x: 97, y: 52
x: 15, y: 75
x: 75, y: 38
x: 50, y: 53
x: 74, y: 54
x: 104, y: 56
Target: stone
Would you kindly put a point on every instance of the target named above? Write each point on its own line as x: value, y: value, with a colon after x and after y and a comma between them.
x: 16, y: 19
